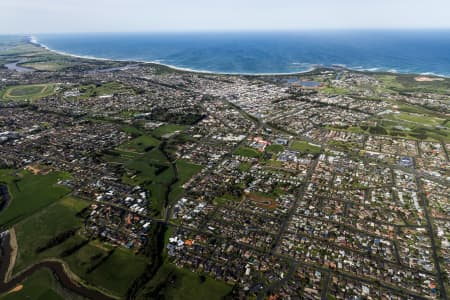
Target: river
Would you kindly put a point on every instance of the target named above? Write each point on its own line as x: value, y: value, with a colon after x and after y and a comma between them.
x: 4, y: 197
x: 55, y: 267
x: 15, y: 67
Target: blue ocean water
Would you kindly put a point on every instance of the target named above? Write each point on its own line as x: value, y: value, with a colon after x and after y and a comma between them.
x: 269, y: 52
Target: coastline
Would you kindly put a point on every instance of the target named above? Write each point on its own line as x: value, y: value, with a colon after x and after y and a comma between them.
x: 33, y: 40
x: 375, y: 70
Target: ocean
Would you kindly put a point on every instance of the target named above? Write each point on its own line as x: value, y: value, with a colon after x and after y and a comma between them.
x: 422, y: 51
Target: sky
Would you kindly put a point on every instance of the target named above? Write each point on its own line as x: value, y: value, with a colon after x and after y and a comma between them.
x: 47, y: 16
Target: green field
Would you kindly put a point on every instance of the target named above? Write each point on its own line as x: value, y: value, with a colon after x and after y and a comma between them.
x: 248, y: 152
x: 186, y: 170
x: 140, y: 144
x: 109, y: 88
x: 344, y: 146
x: 179, y: 284
x: 225, y: 199
x: 334, y: 90
x: 144, y: 164
x: 407, y: 83
x: 49, y: 66
x: 39, y: 229
x: 41, y: 285
x: 87, y: 258
x: 132, y: 130
x: 416, y: 126
x: 416, y: 109
x: 149, y: 167
x: 167, y: 129
x: 28, y: 92
x: 17, y: 48
x: 304, y: 147
x: 29, y: 194
x: 151, y: 170
x: 275, y: 148
x: 245, y: 166
x: 117, y: 272
x: 90, y: 262
x: 417, y: 119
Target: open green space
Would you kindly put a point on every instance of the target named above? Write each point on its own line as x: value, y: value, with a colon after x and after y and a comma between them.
x: 355, y: 129
x: 275, y: 148
x: 117, y: 272
x: 29, y: 194
x: 273, y: 163
x: 88, y: 257
x: 304, y: 147
x: 418, y: 119
x: 144, y: 163
x: 49, y: 66
x: 151, y: 170
x: 389, y: 83
x: 149, y: 167
x: 141, y: 144
x: 40, y: 285
x: 248, y: 152
x: 186, y: 170
x: 406, y: 83
x: 132, y: 130
x: 334, y: 90
x: 344, y: 146
x: 43, y: 235
x: 245, y: 166
x: 47, y: 234
x: 417, y: 109
x: 179, y: 284
x: 416, y: 126
x: 27, y: 92
x: 167, y: 129
x: 226, y: 199
x: 103, y: 89
x: 18, y: 48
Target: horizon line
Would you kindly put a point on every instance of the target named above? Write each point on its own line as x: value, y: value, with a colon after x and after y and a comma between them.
x: 235, y: 31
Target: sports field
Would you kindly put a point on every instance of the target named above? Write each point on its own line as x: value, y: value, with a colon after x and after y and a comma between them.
x: 27, y: 92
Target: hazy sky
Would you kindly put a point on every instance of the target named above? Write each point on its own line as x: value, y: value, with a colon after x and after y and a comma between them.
x: 37, y: 16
